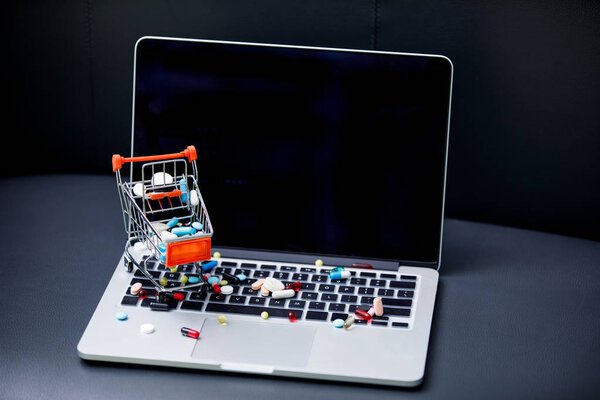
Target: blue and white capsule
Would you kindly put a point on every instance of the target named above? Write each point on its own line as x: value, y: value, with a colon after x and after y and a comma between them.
x: 333, y: 275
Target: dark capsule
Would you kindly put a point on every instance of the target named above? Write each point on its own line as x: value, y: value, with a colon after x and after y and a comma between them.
x: 154, y: 306
x: 231, y: 279
x: 189, y: 332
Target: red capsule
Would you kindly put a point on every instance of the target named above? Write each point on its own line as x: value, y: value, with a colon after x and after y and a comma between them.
x: 189, y: 332
x: 142, y: 294
x: 205, y: 277
x: 216, y: 288
x: 296, y: 286
x: 292, y: 316
x: 362, y: 314
x: 179, y: 296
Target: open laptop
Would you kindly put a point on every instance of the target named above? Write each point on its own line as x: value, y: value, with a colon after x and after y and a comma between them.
x: 304, y: 154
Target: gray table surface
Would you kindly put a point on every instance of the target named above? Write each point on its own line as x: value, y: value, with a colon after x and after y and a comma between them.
x: 517, y: 314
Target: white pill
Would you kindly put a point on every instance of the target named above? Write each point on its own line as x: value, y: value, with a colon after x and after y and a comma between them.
x: 138, y: 189
x: 166, y: 235
x: 283, y: 294
x: 161, y: 178
x: 226, y: 289
x: 147, y: 328
x: 194, y: 199
x: 139, y: 246
x: 160, y: 226
x: 273, y: 284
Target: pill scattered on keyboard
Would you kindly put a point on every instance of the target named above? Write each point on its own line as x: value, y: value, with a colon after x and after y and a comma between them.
x: 283, y: 294
x: 193, y: 279
x: 216, y: 288
x: 319, y: 262
x: 179, y: 296
x: 216, y: 254
x: 273, y: 284
x: 213, y: 279
x: 333, y: 275
x: 378, y: 306
x: 241, y: 277
x: 264, y: 291
x: 338, y: 323
x: 135, y: 288
x: 147, y: 328
x: 338, y: 268
x: 258, y: 284
x: 173, y: 269
x: 189, y: 332
x: 295, y: 286
x: 264, y: 315
x: 121, y: 316
x: 362, y: 314
x: 161, y: 178
x: 223, y: 282
x: 208, y: 265
x: 371, y: 311
x: 349, y: 322
x: 227, y: 289
x: 184, y: 279
x: 221, y: 319
x: 292, y: 316
x: 163, y: 281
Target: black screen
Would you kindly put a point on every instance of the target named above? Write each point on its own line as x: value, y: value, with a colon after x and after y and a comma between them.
x: 304, y: 150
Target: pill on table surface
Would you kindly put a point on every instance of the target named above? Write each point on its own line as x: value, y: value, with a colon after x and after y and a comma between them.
x: 216, y: 288
x: 273, y: 284
x: 166, y: 236
x: 161, y: 178
x: 264, y: 315
x: 189, y: 332
x: 221, y: 319
x: 227, y: 289
x: 338, y: 323
x: 292, y: 316
x: 333, y: 275
x: 121, y: 316
x: 138, y: 189
x: 349, y: 322
x: 184, y: 279
x: 193, y: 279
x: 283, y: 294
x: 223, y: 282
x: 139, y: 246
x: 172, y: 223
x: 136, y: 287
x: 216, y: 254
x: 163, y: 281
x: 378, y: 306
x: 147, y: 328
x: 258, y: 284
x: 213, y: 279
x: 197, y: 226
x: 208, y: 265
x: 319, y: 262
x: 295, y: 286
x: 362, y: 314
x: 194, y: 198
x: 183, y: 230
x: 264, y: 291
x: 241, y: 277
x: 160, y: 226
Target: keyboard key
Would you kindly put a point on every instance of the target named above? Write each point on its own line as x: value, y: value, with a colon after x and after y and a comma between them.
x: 316, y: 305
x: 220, y: 270
x: 402, y: 285
x: 386, y: 292
x: 316, y: 315
x: 268, y: 267
x: 402, y: 312
x: 249, y: 310
x: 346, y: 289
x: 172, y: 284
x: 368, y: 274
x: 382, y: 318
x: 197, y: 296
x: 339, y: 316
x: 358, y: 281
x: 347, y: 298
x: 144, y: 282
x: 248, y: 291
x: 310, y: 295
x: 246, y: 272
x: 379, y: 323
x: 324, y: 271
x: 172, y: 276
x: 352, y: 308
x: 140, y: 274
x: 146, y: 302
x: 337, y: 307
x: 217, y: 297
x: 288, y: 268
x: 308, y: 286
x: 388, y: 276
x: 310, y: 270
x: 277, y: 302
x: 296, y: 304
x: 185, y: 268
x: 228, y: 264
x: 129, y: 300
x: 406, y: 293
x: 281, y: 275
x: 366, y: 290
x: 300, y: 277
x: 408, y: 277
x: 378, y: 282
x: 261, y: 274
x: 192, y: 305
x: 338, y: 281
x: 360, y: 321
x: 400, y: 324
x: 257, y: 300
x: 329, y: 297
x: 319, y: 278
x: 397, y: 302
x: 248, y: 265
x: 366, y: 300
x: 237, y: 299
x: 326, y: 288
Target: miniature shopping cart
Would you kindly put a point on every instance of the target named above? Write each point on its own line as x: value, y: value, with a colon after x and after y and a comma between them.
x: 163, y: 211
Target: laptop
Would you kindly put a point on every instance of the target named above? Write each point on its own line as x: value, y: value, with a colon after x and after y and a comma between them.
x: 309, y: 160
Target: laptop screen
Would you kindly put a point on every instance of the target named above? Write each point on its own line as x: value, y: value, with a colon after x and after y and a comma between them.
x: 304, y: 150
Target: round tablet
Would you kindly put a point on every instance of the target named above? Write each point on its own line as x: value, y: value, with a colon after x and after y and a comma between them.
x: 226, y: 289
x: 147, y: 328
x: 138, y: 189
x: 216, y: 254
x: 338, y: 323
x: 273, y: 284
x: 121, y: 316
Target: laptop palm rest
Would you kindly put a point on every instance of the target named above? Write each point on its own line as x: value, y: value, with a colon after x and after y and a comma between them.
x: 239, y: 345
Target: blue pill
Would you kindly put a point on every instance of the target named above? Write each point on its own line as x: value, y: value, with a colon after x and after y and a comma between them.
x: 193, y: 279
x: 241, y: 277
x: 183, y: 230
x: 338, y: 323
x: 197, y: 226
x: 121, y: 316
x: 163, y: 258
x: 208, y: 265
x: 213, y: 279
x: 172, y: 222
x: 162, y: 247
x: 184, y: 190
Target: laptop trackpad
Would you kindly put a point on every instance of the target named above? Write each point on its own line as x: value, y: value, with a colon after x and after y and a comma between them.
x: 255, y: 343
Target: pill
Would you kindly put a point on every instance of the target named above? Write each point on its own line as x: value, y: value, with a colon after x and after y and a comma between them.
x: 156, y: 306
x: 295, y: 286
x: 339, y: 275
x: 136, y: 287
x: 205, y: 277
x: 184, y: 190
x: 216, y: 254
x: 163, y: 258
x: 179, y: 296
x: 159, y: 226
x: 142, y: 294
x: 173, y: 269
x: 221, y: 319
x: 230, y: 278
x: 161, y: 178
x: 189, y: 332
x: 184, y: 279
x: 172, y: 222
x: 264, y: 315
x: 319, y: 262
x: 194, y: 198
x: 264, y: 291
x: 362, y: 314
x: 197, y: 226
x: 163, y: 281
x: 339, y: 268
x: 258, y: 284
x: 241, y: 277
x: 378, y: 306
x: 338, y: 323
x: 223, y: 282
x: 292, y: 316
x: 193, y: 279
x: 216, y: 288
x: 183, y: 230
x: 139, y: 246
x: 167, y: 236
x: 208, y: 265
x: 371, y: 311
x: 213, y: 279
x: 121, y: 316
x: 147, y: 328
x: 227, y: 289
x: 349, y: 322
x: 273, y: 284
x: 283, y: 294
x: 162, y: 247
x: 138, y: 189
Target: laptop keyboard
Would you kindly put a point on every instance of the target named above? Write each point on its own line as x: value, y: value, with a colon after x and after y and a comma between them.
x: 320, y: 299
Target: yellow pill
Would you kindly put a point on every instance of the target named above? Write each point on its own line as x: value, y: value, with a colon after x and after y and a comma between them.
x: 223, y: 283
x: 221, y: 319
x: 216, y: 254
x: 163, y: 281
x: 319, y: 262
x: 264, y: 315
x: 184, y: 279
x: 174, y: 269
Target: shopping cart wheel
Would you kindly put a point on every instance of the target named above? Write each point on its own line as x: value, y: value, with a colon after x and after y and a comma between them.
x: 128, y: 265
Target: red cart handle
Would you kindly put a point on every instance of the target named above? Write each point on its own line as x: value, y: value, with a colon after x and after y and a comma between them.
x: 118, y: 160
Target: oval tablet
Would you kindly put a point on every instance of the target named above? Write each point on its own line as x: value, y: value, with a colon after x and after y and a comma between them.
x: 147, y: 328
x: 227, y: 289
x: 264, y: 291
x: 194, y: 199
x: 161, y: 178
x: 273, y: 284
x: 197, y: 226
x: 121, y: 316
x: 258, y: 284
x: 136, y: 287
x: 378, y: 306
x: 193, y: 279
x: 283, y: 294
x: 160, y: 226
